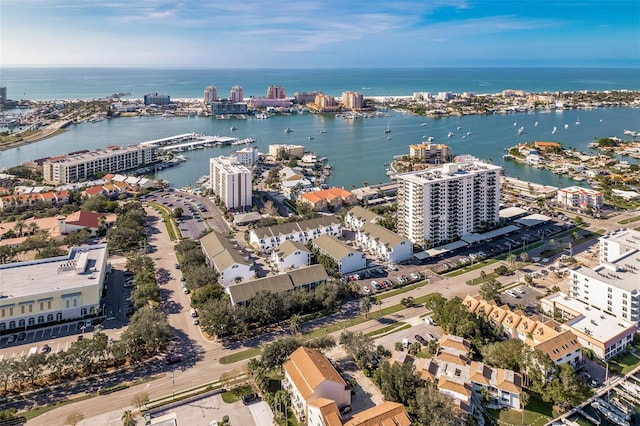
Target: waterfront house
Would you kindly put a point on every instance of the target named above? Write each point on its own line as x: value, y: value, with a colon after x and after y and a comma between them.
x: 357, y: 216
x: 330, y: 199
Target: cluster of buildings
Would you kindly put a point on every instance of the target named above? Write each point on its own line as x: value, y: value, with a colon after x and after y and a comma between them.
x: 321, y: 397
x: 601, y: 312
x: 111, y: 185
x: 456, y: 375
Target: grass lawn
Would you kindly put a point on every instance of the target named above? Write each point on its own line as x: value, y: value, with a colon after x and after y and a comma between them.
x: 236, y: 393
x: 239, y: 356
x: 465, y: 269
x: 629, y: 220
x: 388, y: 329
x: 538, y: 412
x: 626, y: 364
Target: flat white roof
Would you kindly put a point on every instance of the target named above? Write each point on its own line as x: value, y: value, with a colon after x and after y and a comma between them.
x: 510, y: 212
x: 79, y: 268
x: 624, y: 237
x: 473, y: 237
x: 446, y: 248
x: 621, y: 273
x: 593, y: 322
x: 533, y: 219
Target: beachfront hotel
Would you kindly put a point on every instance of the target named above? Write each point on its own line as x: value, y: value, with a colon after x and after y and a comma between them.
x: 82, y: 166
x: 276, y: 92
x: 236, y: 95
x: 439, y: 205
x: 352, y: 100
x: 612, y: 286
x: 231, y: 181
x: 39, y: 292
x: 210, y: 94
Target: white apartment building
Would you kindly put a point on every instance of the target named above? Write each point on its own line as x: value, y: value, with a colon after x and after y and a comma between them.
x: 346, y: 257
x: 247, y: 156
x: 231, y: 181
x: 613, y: 286
x: 581, y: 198
x: 83, y: 166
x: 267, y: 238
x: 439, y: 205
x: 384, y: 244
x: 290, y: 255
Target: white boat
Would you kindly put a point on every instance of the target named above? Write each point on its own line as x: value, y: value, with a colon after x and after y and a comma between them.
x: 288, y: 130
x: 323, y: 131
x: 423, y: 124
x: 430, y: 139
x: 566, y: 126
x: 536, y: 124
x: 389, y: 138
x: 450, y: 134
x: 459, y: 127
x: 555, y: 129
x: 521, y: 130
x: 388, y: 130
x: 578, y: 122
x: 233, y: 128
x: 310, y: 137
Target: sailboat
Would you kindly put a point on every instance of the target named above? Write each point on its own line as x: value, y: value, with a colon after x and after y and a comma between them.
x: 388, y: 129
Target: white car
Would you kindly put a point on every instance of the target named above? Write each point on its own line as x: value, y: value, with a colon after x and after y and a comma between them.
x: 518, y: 290
x: 535, y: 259
x: 544, y: 260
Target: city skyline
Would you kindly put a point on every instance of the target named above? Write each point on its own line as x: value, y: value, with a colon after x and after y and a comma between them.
x: 326, y: 34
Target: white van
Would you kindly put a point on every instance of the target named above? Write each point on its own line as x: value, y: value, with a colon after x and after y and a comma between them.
x: 193, y: 313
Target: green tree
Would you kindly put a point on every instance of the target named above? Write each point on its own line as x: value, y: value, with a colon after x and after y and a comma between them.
x: 217, y: 317
x: 128, y: 419
x: 7, y: 372
x: 365, y: 305
x: 432, y: 408
x: 32, y: 367
x: 490, y: 290
x: 148, y: 333
x: 505, y: 354
x: 295, y: 323
x: 399, y: 382
x: 275, y: 353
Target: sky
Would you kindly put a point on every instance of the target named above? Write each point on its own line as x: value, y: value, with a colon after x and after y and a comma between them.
x: 315, y: 34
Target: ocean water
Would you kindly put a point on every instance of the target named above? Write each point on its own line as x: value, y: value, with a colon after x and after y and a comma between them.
x: 358, y: 149
x: 90, y: 83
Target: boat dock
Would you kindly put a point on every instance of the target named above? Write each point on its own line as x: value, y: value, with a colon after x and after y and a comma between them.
x: 588, y: 417
x: 199, y: 142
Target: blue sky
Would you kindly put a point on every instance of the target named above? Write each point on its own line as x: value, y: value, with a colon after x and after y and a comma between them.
x: 331, y: 33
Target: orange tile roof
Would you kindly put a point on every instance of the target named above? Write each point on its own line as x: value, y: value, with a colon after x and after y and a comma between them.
x: 328, y: 410
x: 454, y: 386
x: 451, y: 358
x: 387, y: 413
x: 508, y: 380
x: 88, y: 219
x: 480, y: 373
x: 455, y: 343
x: 108, y: 177
x: 94, y: 190
x: 308, y: 368
x: 48, y: 195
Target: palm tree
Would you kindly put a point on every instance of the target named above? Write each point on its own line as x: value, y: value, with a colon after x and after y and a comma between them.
x: 295, y: 323
x: 19, y: 227
x: 32, y: 228
x: 127, y: 418
x: 365, y: 305
x: 511, y: 260
x: 524, y: 257
x: 524, y: 400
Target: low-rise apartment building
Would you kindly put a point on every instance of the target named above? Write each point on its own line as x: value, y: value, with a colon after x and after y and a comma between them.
x: 384, y: 244
x: 45, y: 291
x: 561, y: 346
x: 304, y: 278
x: 580, y: 198
x: 330, y: 199
x: 290, y: 255
x: 357, y: 216
x: 346, y: 257
x: 226, y: 256
x: 82, y: 166
x: 605, y: 335
x: 267, y: 238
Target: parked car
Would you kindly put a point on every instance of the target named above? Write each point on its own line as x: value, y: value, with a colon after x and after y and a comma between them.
x: 248, y: 399
x: 172, y: 359
x: 422, y: 340
x: 375, y: 285
x: 431, y: 336
x: 45, y: 349
x: 366, y: 289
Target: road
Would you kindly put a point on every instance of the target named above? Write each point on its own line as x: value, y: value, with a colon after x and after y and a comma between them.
x: 202, y: 364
